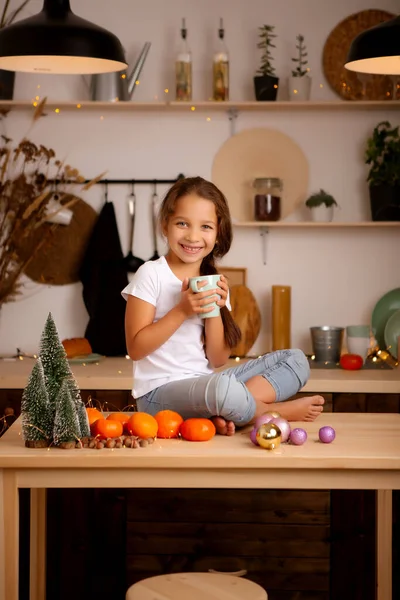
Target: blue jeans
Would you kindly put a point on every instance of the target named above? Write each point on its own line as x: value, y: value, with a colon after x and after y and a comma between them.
x: 225, y: 394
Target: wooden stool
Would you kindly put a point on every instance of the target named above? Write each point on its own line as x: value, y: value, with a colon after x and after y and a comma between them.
x: 195, y: 586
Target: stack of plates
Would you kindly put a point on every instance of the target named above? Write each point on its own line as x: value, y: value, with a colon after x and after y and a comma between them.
x: 386, y: 321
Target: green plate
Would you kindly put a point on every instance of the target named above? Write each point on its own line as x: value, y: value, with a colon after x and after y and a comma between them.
x: 383, y: 310
x: 89, y: 358
x: 392, y: 332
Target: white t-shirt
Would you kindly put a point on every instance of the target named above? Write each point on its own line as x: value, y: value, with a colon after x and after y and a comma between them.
x: 180, y: 357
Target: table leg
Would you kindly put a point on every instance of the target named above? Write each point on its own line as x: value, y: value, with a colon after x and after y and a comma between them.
x: 37, y: 553
x: 9, y: 535
x: 384, y: 526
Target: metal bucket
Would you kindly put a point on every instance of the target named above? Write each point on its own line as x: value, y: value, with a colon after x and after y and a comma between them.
x: 327, y: 343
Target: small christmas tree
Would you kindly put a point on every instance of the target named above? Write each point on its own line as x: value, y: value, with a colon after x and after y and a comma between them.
x: 37, y: 421
x: 54, y: 359
x: 82, y: 419
x: 66, y: 425
x: 80, y: 407
x: 53, y: 411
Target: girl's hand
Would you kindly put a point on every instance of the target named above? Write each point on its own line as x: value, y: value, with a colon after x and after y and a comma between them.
x: 197, y: 303
x: 223, y: 291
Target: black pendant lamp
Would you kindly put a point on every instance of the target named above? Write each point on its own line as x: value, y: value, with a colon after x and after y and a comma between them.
x: 57, y: 41
x: 376, y: 50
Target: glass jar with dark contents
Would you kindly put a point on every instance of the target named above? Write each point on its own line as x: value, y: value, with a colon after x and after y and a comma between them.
x: 267, y: 198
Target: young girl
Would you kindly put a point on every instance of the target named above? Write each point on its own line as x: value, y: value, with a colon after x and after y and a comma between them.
x: 175, y: 351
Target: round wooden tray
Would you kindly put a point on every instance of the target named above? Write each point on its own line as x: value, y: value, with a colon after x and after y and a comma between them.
x: 59, y: 263
x: 260, y: 153
x: 348, y: 84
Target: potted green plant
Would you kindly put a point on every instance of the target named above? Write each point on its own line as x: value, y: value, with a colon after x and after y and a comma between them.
x: 266, y: 83
x: 300, y: 81
x: 321, y: 205
x: 383, y: 156
x: 7, y: 78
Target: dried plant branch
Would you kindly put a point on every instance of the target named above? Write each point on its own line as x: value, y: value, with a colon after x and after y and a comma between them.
x: 93, y: 181
x: 39, y: 110
x: 17, y: 11
x: 4, y: 13
x: 26, y: 172
x: 7, y: 19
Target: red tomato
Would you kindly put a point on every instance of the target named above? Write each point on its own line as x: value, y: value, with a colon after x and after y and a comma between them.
x: 351, y: 362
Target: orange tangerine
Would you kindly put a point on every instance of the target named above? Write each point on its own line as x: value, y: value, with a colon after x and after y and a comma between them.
x: 143, y: 425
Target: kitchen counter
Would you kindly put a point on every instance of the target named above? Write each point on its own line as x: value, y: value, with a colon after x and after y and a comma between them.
x: 116, y: 374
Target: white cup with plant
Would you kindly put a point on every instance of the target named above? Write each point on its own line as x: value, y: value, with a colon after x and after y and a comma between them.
x: 321, y: 205
x: 300, y: 81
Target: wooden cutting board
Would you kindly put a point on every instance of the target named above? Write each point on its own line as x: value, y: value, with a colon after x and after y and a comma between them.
x: 260, y: 152
x: 247, y: 316
x: 59, y: 263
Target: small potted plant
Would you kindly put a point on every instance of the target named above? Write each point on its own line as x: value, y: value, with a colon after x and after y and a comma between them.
x: 300, y: 81
x: 7, y: 78
x: 266, y: 83
x: 383, y: 156
x: 321, y: 205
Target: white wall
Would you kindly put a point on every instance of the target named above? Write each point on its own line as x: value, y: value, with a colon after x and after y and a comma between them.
x: 336, y: 275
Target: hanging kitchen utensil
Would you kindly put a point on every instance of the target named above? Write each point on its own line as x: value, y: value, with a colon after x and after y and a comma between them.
x: 131, y: 262
x: 154, y: 209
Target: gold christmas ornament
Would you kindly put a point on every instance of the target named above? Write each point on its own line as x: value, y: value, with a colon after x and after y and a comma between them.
x: 269, y: 436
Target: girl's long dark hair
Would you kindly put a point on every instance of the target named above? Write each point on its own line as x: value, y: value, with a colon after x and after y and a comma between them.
x: 207, y: 190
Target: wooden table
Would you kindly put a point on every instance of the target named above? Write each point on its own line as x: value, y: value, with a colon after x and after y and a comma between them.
x: 365, y: 455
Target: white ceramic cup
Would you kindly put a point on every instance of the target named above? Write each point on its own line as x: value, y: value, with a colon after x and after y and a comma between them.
x: 358, y: 340
x: 211, y: 284
x: 358, y: 345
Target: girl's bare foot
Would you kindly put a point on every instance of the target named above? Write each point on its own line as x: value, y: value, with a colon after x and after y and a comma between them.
x: 301, y: 409
x: 223, y: 427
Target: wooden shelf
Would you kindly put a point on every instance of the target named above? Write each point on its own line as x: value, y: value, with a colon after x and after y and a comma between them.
x: 313, y: 224
x: 286, y: 105
x: 266, y: 226
x: 204, y: 106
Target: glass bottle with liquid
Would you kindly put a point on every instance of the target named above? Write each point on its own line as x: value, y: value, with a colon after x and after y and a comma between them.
x: 183, y: 68
x: 221, y: 68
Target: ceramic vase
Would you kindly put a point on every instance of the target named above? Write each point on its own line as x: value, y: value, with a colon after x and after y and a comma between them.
x: 299, y: 88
